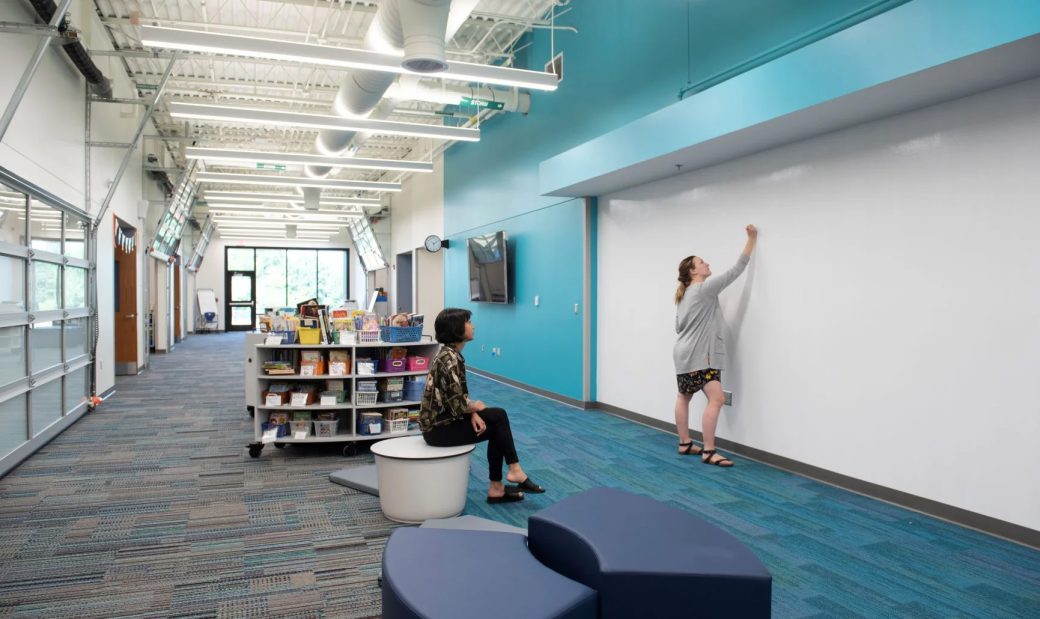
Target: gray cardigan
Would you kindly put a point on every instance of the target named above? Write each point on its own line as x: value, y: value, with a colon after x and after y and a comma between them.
x: 698, y: 322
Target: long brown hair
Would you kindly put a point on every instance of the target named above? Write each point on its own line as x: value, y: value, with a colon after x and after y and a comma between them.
x: 684, y: 277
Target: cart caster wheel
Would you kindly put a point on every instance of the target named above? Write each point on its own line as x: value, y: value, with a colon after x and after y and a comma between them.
x: 350, y: 449
x: 279, y: 445
x: 254, y: 450
x: 251, y: 411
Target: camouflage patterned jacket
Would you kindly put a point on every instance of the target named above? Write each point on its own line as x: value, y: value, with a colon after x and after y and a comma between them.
x: 446, y: 394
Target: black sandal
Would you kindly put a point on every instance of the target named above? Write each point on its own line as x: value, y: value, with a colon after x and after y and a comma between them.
x: 529, y: 486
x: 688, y: 449
x: 508, y: 497
x: 723, y: 461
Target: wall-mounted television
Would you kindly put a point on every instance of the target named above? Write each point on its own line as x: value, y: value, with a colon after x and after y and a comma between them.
x: 489, y: 268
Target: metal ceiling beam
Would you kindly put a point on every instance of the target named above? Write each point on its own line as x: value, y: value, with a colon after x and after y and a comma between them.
x: 30, y: 70
x: 226, y: 28
x: 37, y: 29
x: 133, y: 143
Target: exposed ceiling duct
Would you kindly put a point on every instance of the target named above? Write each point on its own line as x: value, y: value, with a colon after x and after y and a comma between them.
x: 100, y: 85
x: 417, y: 26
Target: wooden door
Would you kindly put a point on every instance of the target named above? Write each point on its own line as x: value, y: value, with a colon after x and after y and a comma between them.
x: 177, y: 292
x: 126, y: 309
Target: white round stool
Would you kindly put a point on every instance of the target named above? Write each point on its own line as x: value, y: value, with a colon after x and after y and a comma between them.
x: 418, y: 482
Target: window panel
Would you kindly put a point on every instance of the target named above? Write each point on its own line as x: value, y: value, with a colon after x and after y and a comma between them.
x: 241, y: 316
x: 14, y: 426
x: 270, y: 279
x: 77, y: 337
x: 240, y: 259
x: 45, y: 345
x: 12, y: 284
x: 241, y: 288
x: 46, y: 286
x: 75, y: 237
x: 75, y: 388
x: 302, y: 274
x: 12, y: 354
x: 12, y: 216
x: 75, y: 287
x: 46, y: 406
x: 45, y: 227
x: 332, y: 277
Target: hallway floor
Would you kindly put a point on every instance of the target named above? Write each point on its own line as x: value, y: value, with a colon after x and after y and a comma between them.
x: 151, y: 507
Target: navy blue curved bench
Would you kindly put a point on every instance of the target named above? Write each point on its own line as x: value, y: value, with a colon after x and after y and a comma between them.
x: 647, y: 559
x: 458, y: 574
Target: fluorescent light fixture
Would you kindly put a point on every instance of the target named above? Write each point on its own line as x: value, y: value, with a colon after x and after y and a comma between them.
x: 253, y: 157
x: 248, y: 218
x: 248, y: 224
x: 294, y: 181
x: 292, y: 198
x: 202, y: 111
x: 258, y: 207
x: 340, y: 57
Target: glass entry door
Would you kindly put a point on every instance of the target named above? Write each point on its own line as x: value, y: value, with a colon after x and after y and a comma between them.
x: 240, y: 293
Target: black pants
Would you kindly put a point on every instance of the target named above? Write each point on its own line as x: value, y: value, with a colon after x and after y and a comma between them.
x: 498, y: 435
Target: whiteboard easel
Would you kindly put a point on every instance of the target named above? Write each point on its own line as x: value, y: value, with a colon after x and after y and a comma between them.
x: 208, y: 304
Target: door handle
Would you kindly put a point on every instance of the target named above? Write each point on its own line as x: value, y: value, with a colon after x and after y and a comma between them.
x: 130, y: 316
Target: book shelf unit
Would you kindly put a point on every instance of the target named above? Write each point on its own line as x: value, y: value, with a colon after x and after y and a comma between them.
x: 347, y: 412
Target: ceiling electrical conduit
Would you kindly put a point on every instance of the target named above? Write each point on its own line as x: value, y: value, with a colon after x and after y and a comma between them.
x: 100, y: 85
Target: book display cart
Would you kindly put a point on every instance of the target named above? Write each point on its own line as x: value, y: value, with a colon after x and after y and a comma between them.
x: 333, y: 393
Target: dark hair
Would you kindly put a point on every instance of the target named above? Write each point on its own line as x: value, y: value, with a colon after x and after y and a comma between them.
x: 450, y: 325
x: 684, y: 277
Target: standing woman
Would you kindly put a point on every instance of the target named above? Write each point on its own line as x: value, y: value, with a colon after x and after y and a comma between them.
x: 700, y: 352
x: 448, y: 417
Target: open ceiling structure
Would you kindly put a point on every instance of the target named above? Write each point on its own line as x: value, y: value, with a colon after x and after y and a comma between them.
x: 254, y: 82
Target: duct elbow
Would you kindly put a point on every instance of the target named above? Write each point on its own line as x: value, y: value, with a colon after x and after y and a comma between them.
x: 423, y: 24
x: 317, y: 171
x: 102, y: 89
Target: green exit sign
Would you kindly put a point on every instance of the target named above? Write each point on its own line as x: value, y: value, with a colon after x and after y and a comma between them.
x: 278, y: 167
x: 484, y: 103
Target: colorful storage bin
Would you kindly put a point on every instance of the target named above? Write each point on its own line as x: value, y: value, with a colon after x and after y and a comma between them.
x: 418, y: 364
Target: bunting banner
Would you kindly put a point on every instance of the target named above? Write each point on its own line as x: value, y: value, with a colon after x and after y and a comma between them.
x: 123, y: 235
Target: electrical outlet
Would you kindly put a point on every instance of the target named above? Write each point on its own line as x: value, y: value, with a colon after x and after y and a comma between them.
x: 727, y: 398
x: 536, y: 300
x: 483, y: 347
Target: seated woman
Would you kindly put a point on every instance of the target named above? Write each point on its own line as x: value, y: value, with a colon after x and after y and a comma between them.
x: 448, y: 417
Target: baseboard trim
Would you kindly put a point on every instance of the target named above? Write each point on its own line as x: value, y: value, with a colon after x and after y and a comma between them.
x: 535, y: 390
x: 111, y: 391
x: 961, y: 517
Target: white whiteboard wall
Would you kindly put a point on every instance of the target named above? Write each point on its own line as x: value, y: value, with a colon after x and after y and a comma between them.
x: 888, y: 327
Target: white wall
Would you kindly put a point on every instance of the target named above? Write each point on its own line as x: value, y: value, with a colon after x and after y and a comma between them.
x: 888, y: 327
x: 45, y: 145
x: 211, y: 273
x: 416, y: 213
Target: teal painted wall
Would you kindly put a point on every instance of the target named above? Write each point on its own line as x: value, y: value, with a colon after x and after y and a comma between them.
x: 630, y: 58
x: 909, y: 38
x: 541, y: 345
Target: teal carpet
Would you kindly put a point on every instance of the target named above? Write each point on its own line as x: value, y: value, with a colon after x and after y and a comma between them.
x: 832, y: 553
x: 151, y: 507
